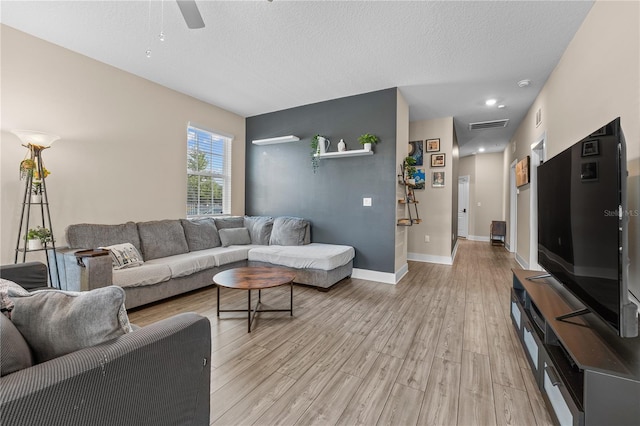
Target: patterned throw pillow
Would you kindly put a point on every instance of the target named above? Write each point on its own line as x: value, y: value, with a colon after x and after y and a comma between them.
x: 124, y: 255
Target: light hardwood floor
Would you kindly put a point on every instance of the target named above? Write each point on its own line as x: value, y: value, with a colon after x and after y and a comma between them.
x: 438, y: 348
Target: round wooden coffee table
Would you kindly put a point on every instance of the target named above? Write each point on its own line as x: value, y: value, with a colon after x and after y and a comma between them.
x: 254, y: 278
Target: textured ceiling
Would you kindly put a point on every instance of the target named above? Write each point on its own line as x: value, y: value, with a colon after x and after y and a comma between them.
x: 255, y: 57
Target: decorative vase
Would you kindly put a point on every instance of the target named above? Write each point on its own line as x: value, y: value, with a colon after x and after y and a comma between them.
x: 367, y: 147
x: 34, y: 244
x: 342, y: 147
x: 36, y: 198
x: 323, y: 144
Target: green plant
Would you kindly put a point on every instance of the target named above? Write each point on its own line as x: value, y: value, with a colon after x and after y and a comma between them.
x: 314, y: 152
x: 409, y: 167
x: 40, y: 233
x: 368, y: 138
x: 36, y: 187
x: 27, y: 167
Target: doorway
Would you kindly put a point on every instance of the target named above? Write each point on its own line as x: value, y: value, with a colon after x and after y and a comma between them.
x: 537, y: 158
x: 463, y: 206
x: 513, y: 209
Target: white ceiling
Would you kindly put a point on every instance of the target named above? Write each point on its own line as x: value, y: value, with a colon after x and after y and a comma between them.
x: 255, y: 57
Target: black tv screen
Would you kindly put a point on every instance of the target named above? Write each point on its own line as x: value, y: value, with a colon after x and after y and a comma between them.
x: 582, y: 228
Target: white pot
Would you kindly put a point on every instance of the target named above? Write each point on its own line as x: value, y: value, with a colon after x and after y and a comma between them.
x: 367, y: 147
x: 36, y: 198
x: 34, y: 244
x: 411, y: 181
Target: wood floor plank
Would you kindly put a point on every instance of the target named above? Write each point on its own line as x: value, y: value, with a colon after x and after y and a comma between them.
x: 476, y: 405
x: 440, y: 405
x: 417, y: 365
x: 512, y: 406
x: 368, y: 402
x: 535, y: 399
x: 402, y: 407
x: 475, y: 334
x: 327, y: 408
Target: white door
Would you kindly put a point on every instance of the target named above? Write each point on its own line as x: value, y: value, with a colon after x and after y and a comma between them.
x: 463, y: 206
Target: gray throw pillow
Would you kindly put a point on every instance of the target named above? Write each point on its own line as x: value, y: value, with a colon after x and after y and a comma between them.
x: 259, y: 228
x: 6, y: 303
x: 234, y: 237
x: 288, y: 231
x: 162, y: 238
x: 229, y: 222
x: 14, y: 351
x: 55, y: 323
x: 200, y: 233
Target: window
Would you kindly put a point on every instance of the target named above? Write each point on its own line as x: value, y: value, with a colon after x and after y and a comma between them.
x: 208, y: 172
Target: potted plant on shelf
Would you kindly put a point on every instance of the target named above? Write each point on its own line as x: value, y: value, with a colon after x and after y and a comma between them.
x: 37, y: 237
x: 27, y: 166
x: 315, y: 151
x: 36, y: 191
x: 408, y: 165
x: 367, y: 140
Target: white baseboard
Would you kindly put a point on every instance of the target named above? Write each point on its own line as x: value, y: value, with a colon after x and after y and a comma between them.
x: 400, y: 273
x: 428, y: 258
x: 522, y: 262
x: 478, y: 238
x: 454, y: 252
x: 366, y: 274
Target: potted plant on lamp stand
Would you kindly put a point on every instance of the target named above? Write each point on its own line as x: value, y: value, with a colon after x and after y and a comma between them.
x: 38, y: 237
x: 408, y: 166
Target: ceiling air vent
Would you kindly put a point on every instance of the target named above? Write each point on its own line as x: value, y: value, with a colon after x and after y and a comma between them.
x: 481, y: 125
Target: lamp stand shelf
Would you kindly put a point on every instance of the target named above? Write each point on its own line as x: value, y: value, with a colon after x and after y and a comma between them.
x: 410, y: 201
x: 30, y: 201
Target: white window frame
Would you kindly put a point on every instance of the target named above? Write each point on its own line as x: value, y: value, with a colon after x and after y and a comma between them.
x: 224, y: 175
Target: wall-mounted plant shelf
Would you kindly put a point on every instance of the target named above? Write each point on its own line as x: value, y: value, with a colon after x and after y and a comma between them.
x: 352, y: 153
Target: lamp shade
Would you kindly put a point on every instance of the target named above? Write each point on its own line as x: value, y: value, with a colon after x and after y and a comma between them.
x: 31, y: 137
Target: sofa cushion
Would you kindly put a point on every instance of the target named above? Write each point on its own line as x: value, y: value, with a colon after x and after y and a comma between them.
x: 182, y: 265
x: 311, y: 256
x: 226, y: 255
x: 162, y: 238
x: 14, y: 351
x: 89, y: 236
x: 201, y: 233
x: 288, y: 231
x: 260, y: 228
x: 124, y: 256
x: 55, y: 323
x: 229, y: 222
x: 234, y: 237
x: 146, y: 274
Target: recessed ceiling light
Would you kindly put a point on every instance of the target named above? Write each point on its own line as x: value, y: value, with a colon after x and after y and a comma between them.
x: 502, y: 106
x: 481, y: 149
x: 524, y: 83
x: 490, y: 102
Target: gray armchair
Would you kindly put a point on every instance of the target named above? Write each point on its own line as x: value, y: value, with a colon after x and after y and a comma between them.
x: 156, y: 375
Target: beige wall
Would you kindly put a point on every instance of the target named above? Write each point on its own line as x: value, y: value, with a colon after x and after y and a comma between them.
x: 123, y: 147
x: 596, y: 80
x: 402, y: 149
x: 485, y: 187
x: 434, y: 203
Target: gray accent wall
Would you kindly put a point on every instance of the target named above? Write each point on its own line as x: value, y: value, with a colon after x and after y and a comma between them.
x: 280, y: 179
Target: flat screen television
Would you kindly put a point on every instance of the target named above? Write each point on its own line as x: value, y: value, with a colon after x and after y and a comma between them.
x: 582, y: 226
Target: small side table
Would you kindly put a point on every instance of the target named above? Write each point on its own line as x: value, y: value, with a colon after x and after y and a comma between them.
x: 254, y: 278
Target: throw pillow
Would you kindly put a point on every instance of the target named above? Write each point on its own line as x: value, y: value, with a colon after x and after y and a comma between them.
x: 55, y: 323
x: 6, y: 304
x: 288, y: 231
x: 14, y: 351
x: 260, y: 228
x: 229, y: 222
x: 234, y: 237
x: 162, y: 238
x: 124, y: 256
x: 200, y: 233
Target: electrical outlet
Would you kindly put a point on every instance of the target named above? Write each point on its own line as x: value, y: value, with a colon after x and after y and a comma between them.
x: 366, y: 202
x: 427, y: 239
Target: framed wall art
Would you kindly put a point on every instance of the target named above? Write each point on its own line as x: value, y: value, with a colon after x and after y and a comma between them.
x: 437, y: 179
x: 433, y: 145
x: 416, y: 151
x: 419, y: 176
x: 522, y: 172
x: 437, y: 160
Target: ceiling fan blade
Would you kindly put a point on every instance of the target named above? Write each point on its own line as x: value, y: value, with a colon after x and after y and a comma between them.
x: 191, y: 14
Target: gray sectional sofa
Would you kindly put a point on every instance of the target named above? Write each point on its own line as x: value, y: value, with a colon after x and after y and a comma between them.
x: 181, y: 255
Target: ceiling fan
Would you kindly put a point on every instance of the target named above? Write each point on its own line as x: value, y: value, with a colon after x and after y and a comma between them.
x: 190, y: 13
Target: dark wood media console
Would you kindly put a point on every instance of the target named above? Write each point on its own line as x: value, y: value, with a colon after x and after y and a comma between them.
x: 587, y: 374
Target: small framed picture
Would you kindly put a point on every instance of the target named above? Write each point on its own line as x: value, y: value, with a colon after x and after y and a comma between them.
x: 589, y: 171
x: 522, y: 172
x: 433, y: 145
x: 591, y: 147
x: 437, y: 179
x: 437, y: 160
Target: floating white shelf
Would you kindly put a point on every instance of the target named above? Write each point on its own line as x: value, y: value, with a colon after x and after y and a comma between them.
x: 280, y: 139
x: 352, y: 153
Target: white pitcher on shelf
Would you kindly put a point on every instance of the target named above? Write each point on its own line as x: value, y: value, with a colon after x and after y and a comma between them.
x: 323, y: 145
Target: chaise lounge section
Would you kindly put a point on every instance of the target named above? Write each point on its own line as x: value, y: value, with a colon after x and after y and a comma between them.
x: 181, y: 255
